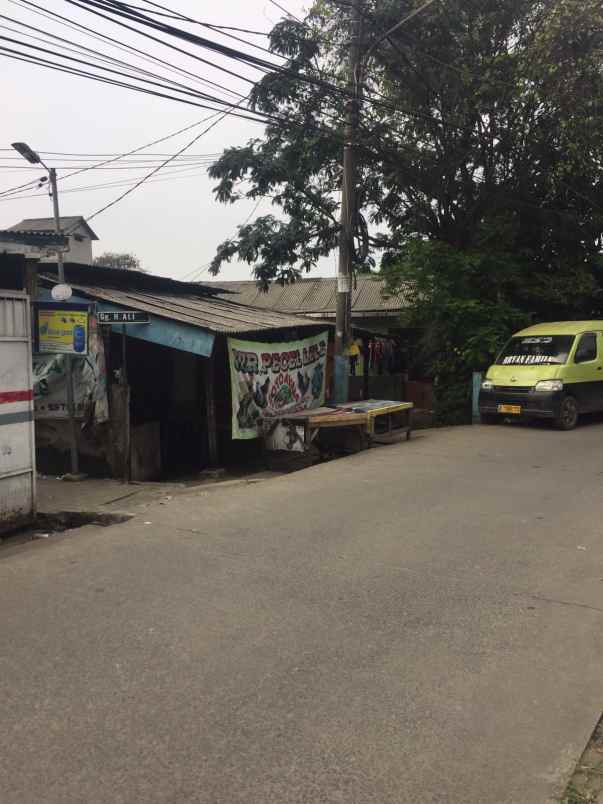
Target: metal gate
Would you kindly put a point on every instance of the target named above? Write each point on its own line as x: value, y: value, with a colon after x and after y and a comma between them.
x: 17, y: 442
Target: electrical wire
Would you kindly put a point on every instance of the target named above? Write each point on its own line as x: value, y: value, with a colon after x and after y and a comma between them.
x: 91, y: 6
x: 185, y: 90
x: 284, y: 10
x: 108, y: 185
x: 216, y: 29
x: 12, y: 54
x: 19, y: 188
x: 102, y: 57
x: 192, y: 276
x: 308, y: 79
x: 218, y: 118
x: 77, y: 156
x: 127, y: 48
x: 110, y: 5
x: 136, y: 150
x: 395, y: 27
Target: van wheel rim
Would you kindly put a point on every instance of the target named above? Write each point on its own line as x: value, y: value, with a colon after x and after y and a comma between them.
x: 569, y: 411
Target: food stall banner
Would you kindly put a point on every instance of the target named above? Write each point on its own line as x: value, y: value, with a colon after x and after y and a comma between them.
x: 271, y: 379
x: 62, y: 329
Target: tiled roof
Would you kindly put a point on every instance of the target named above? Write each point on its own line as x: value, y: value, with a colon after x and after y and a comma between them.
x: 318, y: 296
x: 41, y: 239
x: 68, y: 223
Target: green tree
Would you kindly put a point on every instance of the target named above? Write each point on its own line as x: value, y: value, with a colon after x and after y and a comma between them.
x: 122, y: 261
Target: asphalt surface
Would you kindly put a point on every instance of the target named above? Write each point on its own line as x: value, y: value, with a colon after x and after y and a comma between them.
x: 417, y: 623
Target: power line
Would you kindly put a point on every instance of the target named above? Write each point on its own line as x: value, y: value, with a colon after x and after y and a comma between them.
x: 109, y: 5
x: 130, y: 49
x: 78, y: 156
x: 197, y: 272
x: 190, y: 144
x: 185, y: 90
x: 307, y: 79
x: 19, y: 187
x: 284, y: 10
x: 157, y: 141
x: 237, y: 55
x: 184, y: 18
x: 78, y: 48
x: 106, y: 186
x: 395, y: 27
x: 176, y: 16
x: 29, y: 59
x: 91, y: 6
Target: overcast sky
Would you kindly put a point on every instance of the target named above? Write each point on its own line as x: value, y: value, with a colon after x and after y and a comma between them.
x: 173, y: 224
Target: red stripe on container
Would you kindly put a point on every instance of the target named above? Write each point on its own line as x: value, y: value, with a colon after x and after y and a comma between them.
x: 16, y: 396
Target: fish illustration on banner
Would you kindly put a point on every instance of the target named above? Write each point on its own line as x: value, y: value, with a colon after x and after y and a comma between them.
x: 268, y: 379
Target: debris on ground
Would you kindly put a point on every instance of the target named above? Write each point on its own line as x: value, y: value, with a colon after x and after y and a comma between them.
x: 586, y: 785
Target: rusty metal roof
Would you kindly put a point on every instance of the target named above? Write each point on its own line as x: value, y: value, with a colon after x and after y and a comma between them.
x: 318, y: 297
x: 214, y: 313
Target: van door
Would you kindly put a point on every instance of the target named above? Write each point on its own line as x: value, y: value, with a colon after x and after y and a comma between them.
x: 584, y: 374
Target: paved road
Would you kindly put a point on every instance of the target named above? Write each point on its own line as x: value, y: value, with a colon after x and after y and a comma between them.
x: 418, y: 623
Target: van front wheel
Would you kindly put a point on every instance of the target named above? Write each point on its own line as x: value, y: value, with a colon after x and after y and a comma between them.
x: 568, y: 414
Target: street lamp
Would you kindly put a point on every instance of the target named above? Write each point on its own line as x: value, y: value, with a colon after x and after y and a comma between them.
x: 33, y: 158
x: 26, y: 152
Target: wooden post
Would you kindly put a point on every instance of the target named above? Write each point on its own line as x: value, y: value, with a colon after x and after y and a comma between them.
x: 210, y: 410
x: 365, y: 368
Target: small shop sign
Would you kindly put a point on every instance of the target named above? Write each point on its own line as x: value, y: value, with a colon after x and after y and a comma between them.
x: 123, y: 317
x: 62, y: 329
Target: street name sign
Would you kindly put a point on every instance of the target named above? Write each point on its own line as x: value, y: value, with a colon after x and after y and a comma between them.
x: 123, y: 317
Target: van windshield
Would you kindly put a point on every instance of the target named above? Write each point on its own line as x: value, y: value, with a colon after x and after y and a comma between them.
x: 535, y: 349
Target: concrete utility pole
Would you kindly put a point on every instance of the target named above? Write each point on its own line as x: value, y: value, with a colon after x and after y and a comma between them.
x: 73, y: 446
x: 343, y: 332
x: 34, y: 159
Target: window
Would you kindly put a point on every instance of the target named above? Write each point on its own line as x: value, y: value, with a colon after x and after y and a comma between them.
x: 535, y: 349
x: 587, y: 348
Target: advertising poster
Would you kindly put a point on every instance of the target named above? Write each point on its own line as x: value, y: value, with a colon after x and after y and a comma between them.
x: 269, y: 379
x: 89, y: 383
x: 62, y: 330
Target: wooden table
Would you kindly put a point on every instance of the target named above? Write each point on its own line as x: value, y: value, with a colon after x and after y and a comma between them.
x: 375, y: 409
x: 297, y: 431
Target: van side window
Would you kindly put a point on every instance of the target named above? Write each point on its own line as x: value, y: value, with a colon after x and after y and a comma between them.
x: 587, y: 348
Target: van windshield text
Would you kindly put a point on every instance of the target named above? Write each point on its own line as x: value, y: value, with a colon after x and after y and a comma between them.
x: 536, y: 350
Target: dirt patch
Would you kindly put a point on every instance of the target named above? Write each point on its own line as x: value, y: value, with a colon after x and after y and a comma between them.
x: 586, y: 785
x: 46, y: 525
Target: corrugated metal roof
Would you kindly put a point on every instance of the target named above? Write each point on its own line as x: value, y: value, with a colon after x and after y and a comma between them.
x: 318, y: 296
x: 68, y: 223
x: 214, y: 313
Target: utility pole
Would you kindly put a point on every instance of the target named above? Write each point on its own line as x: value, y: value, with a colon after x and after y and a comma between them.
x: 73, y: 446
x: 343, y: 326
x: 34, y: 159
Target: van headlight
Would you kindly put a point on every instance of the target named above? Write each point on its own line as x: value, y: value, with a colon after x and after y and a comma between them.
x: 487, y: 385
x: 549, y: 385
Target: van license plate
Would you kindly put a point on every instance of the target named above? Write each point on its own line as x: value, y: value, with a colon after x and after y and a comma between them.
x: 515, y: 410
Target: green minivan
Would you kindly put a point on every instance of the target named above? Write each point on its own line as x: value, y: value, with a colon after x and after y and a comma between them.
x: 548, y: 371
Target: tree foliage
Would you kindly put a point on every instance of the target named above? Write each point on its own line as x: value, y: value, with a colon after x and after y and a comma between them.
x: 122, y: 261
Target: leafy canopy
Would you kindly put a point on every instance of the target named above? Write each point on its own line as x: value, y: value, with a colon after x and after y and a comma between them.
x: 481, y: 129
x: 119, y: 260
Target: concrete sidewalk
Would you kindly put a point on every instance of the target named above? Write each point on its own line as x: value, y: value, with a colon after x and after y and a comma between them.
x: 419, y: 623
x: 109, y: 495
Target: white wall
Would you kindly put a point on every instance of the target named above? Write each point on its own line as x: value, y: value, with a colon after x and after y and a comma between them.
x: 79, y: 251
